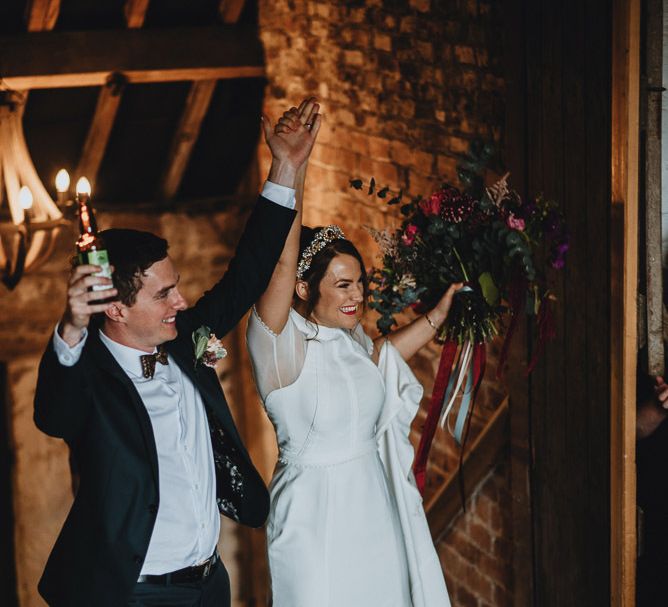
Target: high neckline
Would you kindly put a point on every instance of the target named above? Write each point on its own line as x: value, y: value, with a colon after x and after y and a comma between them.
x: 313, y: 330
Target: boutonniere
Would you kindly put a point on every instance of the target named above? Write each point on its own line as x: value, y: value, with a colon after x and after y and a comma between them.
x: 208, y: 348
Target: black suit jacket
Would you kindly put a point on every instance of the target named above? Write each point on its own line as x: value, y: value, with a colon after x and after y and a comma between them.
x: 94, y: 406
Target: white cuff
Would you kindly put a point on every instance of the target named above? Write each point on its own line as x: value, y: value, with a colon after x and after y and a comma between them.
x: 68, y: 356
x: 280, y: 194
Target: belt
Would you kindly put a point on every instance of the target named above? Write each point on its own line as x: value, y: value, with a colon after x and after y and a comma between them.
x: 187, y: 575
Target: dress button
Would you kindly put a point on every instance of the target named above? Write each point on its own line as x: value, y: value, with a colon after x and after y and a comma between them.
x: 153, y: 509
x: 137, y: 559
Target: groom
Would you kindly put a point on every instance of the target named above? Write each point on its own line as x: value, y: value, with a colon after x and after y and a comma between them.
x: 149, y: 428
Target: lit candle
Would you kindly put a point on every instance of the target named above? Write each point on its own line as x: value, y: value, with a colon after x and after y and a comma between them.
x: 62, y: 185
x: 83, y: 189
x: 25, y: 200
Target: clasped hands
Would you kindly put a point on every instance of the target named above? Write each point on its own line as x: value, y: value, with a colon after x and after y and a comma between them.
x: 291, y: 140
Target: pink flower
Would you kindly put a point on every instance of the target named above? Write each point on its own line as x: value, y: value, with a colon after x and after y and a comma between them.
x: 431, y: 205
x: 409, y: 234
x: 515, y: 223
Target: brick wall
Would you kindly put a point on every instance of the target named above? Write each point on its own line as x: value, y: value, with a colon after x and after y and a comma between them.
x: 405, y: 86
x: 476, y: 550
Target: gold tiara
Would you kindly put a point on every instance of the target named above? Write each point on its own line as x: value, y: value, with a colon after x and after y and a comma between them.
x: 321, y: 239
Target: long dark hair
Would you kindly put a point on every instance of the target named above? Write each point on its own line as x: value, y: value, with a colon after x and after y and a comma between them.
x: 320, y: 262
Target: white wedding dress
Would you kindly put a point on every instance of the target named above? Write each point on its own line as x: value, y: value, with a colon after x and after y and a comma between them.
x: 346, y: 526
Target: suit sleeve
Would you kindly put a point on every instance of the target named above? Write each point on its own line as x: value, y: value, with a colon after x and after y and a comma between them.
x: 249, y: 271
x: 62, y: 397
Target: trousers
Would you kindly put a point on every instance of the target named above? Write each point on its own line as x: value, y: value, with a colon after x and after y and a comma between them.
x: 214, y: 591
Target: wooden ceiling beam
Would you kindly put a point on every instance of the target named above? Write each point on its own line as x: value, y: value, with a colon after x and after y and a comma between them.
x: 100, y: 128
x: 107, y: 105
x: 67, y: 59
x: 197, y: 105
x: 41, y: 15
x: 135, y: 13
x: 230, y: 10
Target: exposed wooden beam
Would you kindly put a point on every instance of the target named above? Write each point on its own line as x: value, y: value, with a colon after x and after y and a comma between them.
x: 41, y: 15
x: 196, y: 107
x: 230, y: 10
x: 446, y: 504
x: 186, y: 135
x: 135, y: 12
x: 66, y: 59
x: 100, y: 128
x: 623, y: 245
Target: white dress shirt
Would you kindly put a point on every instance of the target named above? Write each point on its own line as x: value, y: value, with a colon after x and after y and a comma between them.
x: 188, y: 523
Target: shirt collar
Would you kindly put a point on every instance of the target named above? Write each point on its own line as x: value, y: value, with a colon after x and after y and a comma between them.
x: 126, y: 357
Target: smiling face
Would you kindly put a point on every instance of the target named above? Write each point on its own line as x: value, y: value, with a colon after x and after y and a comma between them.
x: 151, y: 320
x: 341, y: 290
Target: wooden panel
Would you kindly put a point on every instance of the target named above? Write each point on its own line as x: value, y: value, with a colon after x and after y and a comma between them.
x: 519, y: 413
x: 558, y: 144
x: 623, y: 287
x: 41, y: 15
x: 135, y: 13
x: 100, y: 129
x: 595, y: 204
x: 651, y: 108
x: 186, y: 135
x: 63, y: 59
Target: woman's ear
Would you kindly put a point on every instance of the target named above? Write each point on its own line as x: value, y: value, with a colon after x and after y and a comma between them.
x: 301, y: 289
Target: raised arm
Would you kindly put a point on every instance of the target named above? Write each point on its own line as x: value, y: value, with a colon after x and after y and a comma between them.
x: 273, y: 306
x: 261, y: 243
x: 61, y: 397
x: 413, y: 336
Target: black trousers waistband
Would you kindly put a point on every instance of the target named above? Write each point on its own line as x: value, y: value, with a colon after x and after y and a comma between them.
x: 187, y: 575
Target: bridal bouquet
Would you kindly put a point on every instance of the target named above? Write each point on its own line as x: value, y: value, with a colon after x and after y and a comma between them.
x: 494, y: 242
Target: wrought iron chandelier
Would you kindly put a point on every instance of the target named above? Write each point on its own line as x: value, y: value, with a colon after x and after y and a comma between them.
x: 30, y: 219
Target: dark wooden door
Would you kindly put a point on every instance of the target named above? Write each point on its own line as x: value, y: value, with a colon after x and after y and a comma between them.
x: 558, y: 137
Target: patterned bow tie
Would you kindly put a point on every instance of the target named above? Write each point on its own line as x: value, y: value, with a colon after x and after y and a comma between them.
x: 148, y: 362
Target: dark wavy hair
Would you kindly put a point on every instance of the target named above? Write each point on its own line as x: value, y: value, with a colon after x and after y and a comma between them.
x: 321, y: 260
x: 132, y: 252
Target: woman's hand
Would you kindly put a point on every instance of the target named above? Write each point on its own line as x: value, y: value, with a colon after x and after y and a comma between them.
x: 441, y: 310
x: 411, y: 337
x: 291, y: 140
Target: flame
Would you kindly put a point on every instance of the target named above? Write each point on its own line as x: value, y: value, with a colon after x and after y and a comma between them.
x: 25, y: 198
x: 83, y: 186
x: 63, y: 181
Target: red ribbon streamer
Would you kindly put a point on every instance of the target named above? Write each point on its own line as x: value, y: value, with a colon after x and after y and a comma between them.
x: 517, y: 296
x: 479, y: 364
x: 430, y: 424
x: 546, y: 331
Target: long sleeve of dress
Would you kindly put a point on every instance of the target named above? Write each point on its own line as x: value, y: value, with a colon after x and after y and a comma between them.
x: 277, y: 359
x: 402, y: 400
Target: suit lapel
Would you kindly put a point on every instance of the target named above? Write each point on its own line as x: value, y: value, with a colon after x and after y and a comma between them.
x: 107, y: 363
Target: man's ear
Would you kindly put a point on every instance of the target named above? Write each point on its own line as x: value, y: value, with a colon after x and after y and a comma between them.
x: 116, y: 312
x: 301, y: 288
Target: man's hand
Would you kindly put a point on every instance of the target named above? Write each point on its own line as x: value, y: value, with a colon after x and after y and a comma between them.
x: 291, y: 141
x: 661, y: 391
x: 78, y: 311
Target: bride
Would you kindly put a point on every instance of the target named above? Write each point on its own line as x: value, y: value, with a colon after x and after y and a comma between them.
x: 346, y: 525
